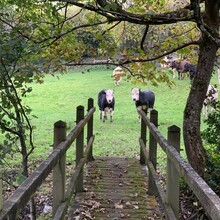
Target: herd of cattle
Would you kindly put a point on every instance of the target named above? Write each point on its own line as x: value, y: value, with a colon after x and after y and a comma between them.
x: 106, y: 101
x: 181, y: 67
x: 145, y: 99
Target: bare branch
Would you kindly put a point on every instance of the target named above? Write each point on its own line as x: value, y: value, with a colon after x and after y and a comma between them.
x: 190, y: 12
x: 118, y: 13
x: 144, y: 36
x: 113, y: 26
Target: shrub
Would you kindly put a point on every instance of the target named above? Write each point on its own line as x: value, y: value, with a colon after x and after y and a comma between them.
x: 211, y: 137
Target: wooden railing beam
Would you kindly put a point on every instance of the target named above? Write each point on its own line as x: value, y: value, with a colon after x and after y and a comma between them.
x: 207, y: 197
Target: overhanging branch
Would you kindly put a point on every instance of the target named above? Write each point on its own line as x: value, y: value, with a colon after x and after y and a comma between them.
x: 118, y: 13
x: 127, y: 61
x: 144, y: 37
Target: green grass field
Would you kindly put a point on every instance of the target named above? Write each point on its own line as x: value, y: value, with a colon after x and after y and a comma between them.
x: 57, y: 99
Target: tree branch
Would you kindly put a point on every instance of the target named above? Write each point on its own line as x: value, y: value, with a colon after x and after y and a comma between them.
x: 188, y: 13
x: 118, y: 13
x: 201, y: 25
x: 144, y: 37
x: 127, y: 61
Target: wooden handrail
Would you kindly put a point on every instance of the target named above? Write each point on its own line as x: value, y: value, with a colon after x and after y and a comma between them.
x: 61, y: 210
x: 207, y: 197
x: 18, y: 200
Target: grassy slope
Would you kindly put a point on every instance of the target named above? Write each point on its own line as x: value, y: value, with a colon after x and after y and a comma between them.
x: 58, y: 99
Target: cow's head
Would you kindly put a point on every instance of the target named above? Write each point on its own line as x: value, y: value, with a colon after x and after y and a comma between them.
x: 109, y: 95
x: 135, y: 94
x: 175, y: 64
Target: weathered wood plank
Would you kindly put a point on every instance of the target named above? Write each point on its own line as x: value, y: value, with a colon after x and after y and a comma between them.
x: 115, y: 188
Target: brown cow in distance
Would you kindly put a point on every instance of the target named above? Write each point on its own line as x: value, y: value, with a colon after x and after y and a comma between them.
x: 180, y: 67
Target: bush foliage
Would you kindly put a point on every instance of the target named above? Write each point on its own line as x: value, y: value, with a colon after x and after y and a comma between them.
x: 211, y: 136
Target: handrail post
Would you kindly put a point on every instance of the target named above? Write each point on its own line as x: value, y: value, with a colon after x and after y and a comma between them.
x: 90, y: 128
x: 152, y: 152
x: 79, y: 147
x: 59, y: 171
x: 172, y: 182
x: 143, y: 137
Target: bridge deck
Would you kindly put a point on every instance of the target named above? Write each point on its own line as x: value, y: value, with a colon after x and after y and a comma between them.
x: 115, y: 188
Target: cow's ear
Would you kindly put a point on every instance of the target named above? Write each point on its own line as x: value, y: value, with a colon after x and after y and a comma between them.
x: 139, y: 89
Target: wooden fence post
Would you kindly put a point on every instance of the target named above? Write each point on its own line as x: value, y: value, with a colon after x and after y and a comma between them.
x: 172, y: 182
x: 79, y: 147
x: 59, y: 171
x: 90, y: 128
x: 143, y: 137
x: 152, y: 153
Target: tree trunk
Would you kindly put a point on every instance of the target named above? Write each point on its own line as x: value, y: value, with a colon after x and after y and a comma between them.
x: 191, y: 123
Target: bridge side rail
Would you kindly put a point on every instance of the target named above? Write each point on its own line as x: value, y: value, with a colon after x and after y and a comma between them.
x: 56, y: 162
x: 176, y: 167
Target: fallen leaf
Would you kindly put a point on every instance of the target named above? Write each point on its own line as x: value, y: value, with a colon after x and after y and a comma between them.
x: 118, y: 206
x: 135, y: 207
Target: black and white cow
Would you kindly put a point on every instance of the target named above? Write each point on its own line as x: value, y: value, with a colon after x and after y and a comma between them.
x: 143, y: 99
x: 210, y: 100
x: 106, y: 103
x: 192, y: 69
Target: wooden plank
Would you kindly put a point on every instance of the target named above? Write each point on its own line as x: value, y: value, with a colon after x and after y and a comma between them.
x: 111, y: 193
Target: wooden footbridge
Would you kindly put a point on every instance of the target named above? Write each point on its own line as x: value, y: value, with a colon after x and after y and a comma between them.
x: 113, y: 188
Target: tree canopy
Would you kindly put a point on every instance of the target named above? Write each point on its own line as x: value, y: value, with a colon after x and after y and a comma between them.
x: 48, y: 36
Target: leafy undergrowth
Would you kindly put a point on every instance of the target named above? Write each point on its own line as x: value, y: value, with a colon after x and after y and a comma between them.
x: 190, y: 208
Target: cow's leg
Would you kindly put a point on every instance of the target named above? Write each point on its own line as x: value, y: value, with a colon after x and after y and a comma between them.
x: 179, y: 75
x: 139, y: 117
x: 103, y: 115
x: 111, y: 114
x: 100, y: 115
x: 174, y: 73
x: 205, y: 110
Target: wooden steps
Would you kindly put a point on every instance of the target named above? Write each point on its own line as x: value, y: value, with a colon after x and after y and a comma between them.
x: 114, y: 188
